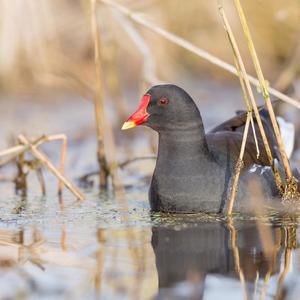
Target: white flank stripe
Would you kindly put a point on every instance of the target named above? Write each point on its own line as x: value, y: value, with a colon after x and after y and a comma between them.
x: 287, y: 131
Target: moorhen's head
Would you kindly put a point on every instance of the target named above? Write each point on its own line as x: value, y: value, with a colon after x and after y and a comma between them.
x: 165, y: 107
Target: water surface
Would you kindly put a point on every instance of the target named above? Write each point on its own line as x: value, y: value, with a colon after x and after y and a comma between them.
x: 108, y: 248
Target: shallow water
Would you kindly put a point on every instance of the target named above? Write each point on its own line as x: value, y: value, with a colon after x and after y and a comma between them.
x: 108, y: 248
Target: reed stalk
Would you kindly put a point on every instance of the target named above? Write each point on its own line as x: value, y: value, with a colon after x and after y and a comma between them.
x: 112, y: 75
x: 13, y: 152
x: 239, y: 166
x: 140, y: 19
x: 62, y: 161
x: 291, y: 181
x: 41, y: 179
x: 247, y: 92
x: 99, y: 102
x: 21, y: 179
x: 105, y: 138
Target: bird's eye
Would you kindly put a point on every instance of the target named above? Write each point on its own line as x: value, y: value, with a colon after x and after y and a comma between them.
x: 163, y: 101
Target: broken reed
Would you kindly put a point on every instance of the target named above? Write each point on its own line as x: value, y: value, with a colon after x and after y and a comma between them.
x: 32, y: 146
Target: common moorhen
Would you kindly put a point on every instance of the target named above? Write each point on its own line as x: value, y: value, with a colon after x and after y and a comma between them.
x: 194, y: 170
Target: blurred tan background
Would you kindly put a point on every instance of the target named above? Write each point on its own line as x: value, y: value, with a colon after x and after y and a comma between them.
x: 47, y: 43
x: 47, y: 57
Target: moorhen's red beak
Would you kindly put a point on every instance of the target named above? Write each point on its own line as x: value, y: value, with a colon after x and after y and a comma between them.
x: 140, y: 116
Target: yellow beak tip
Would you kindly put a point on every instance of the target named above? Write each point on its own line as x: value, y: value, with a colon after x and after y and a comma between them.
x: 128, y: 125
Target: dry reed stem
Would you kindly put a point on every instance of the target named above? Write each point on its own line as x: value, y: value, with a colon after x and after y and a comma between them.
x: 112, y: 75
x: 21, y: 179
x: 235, y: 249
x: 266, y: 95
x: 239, y: 163
x: 246, y: 91
x: 45, y: 161
x: 149, y: 76
x: 104, y: 131
x: 40, y: 177
x: 241, y: 65
x: 16, y: 150
x: 13, y: 150
x: 98, y: 101
x: 149, y: 67
x: 20, y: 149
x: 138, y: 18
x: 62, y: 162
x: 239, y: 166
x: 64, y: 140
x: 245, y: 94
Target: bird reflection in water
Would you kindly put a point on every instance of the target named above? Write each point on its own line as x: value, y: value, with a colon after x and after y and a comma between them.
x: 213, y: 260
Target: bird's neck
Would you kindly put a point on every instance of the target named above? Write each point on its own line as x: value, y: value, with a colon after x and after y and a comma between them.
x: 187, y: 144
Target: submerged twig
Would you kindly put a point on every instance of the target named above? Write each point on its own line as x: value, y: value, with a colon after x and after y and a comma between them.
x: 62, y: 161
x: 21, y: 178
x: 138, y: 18
x: 129, y: 161
x: 84, y: 178
x: 40, y: 177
